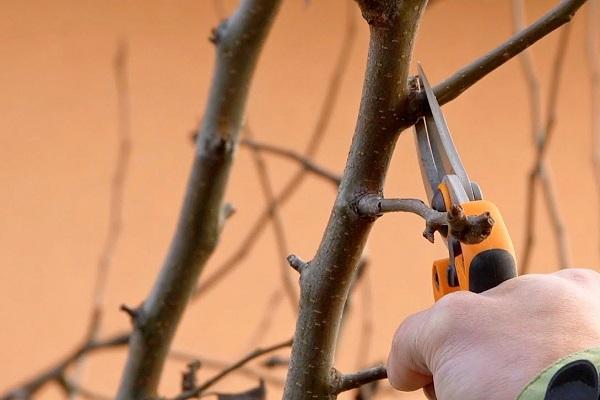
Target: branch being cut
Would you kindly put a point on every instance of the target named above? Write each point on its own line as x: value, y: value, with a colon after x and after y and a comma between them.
x: 469, y: 229
x: 238, y: 43
x: 467, y: 76
x: 470, y: 74
x: 344, y: 382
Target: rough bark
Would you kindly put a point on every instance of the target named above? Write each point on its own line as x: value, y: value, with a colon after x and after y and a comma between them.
x: 325, y: 283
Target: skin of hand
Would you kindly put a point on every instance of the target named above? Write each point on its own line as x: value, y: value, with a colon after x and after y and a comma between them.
x: 490, y: 345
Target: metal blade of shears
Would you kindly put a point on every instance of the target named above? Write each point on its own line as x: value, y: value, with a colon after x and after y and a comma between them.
x: 429, y: 171
x: 444, y: 153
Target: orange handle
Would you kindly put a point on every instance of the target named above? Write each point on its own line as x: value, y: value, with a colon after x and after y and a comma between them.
x: 480, y: 266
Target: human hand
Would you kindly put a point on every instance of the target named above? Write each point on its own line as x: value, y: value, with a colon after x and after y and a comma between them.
x: 490, y: 345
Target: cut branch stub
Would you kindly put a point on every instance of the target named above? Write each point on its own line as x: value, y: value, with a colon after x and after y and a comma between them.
x: 469, y: 229
x: 297, y: 263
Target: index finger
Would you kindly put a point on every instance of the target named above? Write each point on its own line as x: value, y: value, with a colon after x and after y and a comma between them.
x: 406, y: 366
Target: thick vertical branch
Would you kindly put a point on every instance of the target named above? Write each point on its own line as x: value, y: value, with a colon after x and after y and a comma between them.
x: 238, y: 41
x: 290, y: 187
x: 325, y: 283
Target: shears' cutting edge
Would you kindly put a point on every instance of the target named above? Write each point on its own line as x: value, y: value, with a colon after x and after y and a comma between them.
x: 474, y: 267
x: 444, y: 152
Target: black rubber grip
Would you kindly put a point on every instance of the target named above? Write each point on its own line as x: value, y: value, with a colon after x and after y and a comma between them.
x: 490, y: 268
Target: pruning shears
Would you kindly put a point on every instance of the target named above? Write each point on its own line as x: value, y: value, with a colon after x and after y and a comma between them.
x: 473, y: 267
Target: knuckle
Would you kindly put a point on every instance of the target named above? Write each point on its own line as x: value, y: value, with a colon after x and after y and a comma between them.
x: 582, y: 277
x: 450, y: 312
x: 453, y: 304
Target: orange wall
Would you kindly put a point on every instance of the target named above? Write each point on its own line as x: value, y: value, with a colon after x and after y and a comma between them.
x: 58, y: 147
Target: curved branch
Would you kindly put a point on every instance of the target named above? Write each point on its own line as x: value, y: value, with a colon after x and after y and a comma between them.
x: 308, y: 164
x: 57, y: 372
x: 469, y: 229
x: 239, y: 41
x: 238, y: 364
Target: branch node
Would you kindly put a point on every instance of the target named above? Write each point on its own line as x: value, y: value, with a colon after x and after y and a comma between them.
x: 344, y: 382
x: 133, y: 313
x: 297, y: 263
x: 369, y: 206
x: 227, y: 210
x: 217, y: 33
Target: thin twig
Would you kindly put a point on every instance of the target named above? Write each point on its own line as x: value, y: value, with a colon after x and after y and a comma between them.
x: 233, y: 367
x: 211, y: 363
x: 115, y: 219
x: 57, y: 371
x: 346, y: 382
x: 319, y: 130
x: 266, y: 321
x: 74, y: 389
x: 278, y: 229
x: 468, y: 229
x: 542, y: 133
x: 308, y: 164
x: 594, y: 71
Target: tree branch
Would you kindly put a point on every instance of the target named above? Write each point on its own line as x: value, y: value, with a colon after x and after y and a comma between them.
x: 325, y: 285
x: 541, y: 133
x: 115, y: 212
x: 470, y: 74
x: 467, y: 76
x: 239, y: 41
x: 293, y: 184
x: 238, y: 364
x: 57, y: 371
x: 469, y: 229
x: 278, y: 229
x: 211, y: 363
x: 308, y: 164
x: 355, y: 380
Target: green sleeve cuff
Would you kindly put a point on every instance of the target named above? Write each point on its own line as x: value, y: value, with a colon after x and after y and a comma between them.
x: 536, y: 389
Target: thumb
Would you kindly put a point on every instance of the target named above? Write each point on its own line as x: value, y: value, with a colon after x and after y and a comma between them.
x: 407, y: 366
